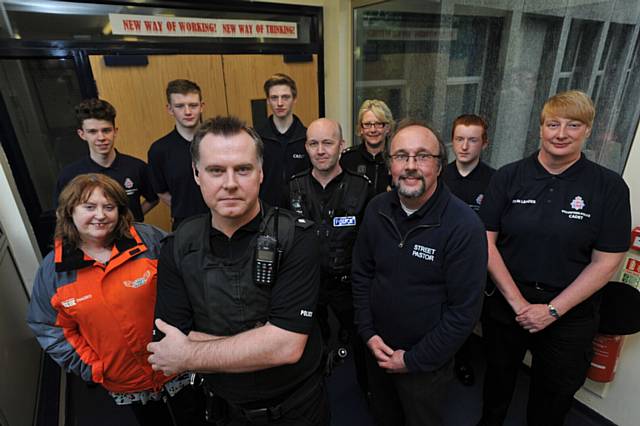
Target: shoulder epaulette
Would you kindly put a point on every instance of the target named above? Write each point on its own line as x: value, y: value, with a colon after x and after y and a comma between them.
x: 352, y: 148
x: 300, y: 174
x: 303, y: 223
x: 352, y: 173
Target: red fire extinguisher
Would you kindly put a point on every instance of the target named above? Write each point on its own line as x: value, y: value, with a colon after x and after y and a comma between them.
x: 618, y: 315
x: 606, y: 350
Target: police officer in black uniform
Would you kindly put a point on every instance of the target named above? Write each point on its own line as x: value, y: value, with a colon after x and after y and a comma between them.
x: 375, y: 121
x: 557, y: 227
x: 335, y: 199
x: 239, y: 287
x: 468, y: 177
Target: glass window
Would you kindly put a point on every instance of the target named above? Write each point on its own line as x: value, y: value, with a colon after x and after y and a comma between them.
x: 502, y: 60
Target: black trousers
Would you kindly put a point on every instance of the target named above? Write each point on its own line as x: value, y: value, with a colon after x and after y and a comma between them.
x: 412, y: 399
x: 186, y: 408
x: 337, y: 295
x: 561, y: 355
x: 312, y: 411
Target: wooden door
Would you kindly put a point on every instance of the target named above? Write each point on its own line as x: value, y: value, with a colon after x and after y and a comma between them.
x: 245, y: 75
x: 229, y: 83
x: 138, y: 94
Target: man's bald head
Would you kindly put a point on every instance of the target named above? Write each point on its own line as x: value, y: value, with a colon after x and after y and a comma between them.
x: 324, y: 145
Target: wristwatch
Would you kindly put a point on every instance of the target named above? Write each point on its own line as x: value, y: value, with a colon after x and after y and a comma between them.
x: 553, y: 311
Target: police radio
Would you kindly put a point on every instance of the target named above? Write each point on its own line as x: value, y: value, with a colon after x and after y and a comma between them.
x: 266, y: 256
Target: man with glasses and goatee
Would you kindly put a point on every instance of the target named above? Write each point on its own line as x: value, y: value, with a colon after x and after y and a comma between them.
x: 419, y: 269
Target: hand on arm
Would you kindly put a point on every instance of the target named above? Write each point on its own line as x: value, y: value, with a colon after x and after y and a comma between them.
x: 256, y: 349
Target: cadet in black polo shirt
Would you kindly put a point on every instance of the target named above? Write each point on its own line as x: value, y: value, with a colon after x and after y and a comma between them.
x: 96, y: 125
x: 375, y: 121
x: 468, y: 177
x: 283, y: 136
x: 169, y: 157
x: 558, y: 226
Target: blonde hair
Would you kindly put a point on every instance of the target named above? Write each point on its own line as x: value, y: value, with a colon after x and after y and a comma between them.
x: 379, y: 109
x: 573, y: 104
x: 77, y: 192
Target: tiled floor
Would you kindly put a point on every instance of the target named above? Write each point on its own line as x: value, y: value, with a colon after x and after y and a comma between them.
x: 94, y: 407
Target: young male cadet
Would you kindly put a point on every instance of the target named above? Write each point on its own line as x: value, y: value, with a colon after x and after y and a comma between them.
x: 468, y: 177
x: 335, y: 199
x: 169, y: 156
x: 97, y: 126
x: 255, y: 336
x: 284, y: 136
x: 419, y: 269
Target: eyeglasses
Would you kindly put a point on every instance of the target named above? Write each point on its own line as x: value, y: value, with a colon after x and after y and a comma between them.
x: 378, y: 125
x: 421, y: 158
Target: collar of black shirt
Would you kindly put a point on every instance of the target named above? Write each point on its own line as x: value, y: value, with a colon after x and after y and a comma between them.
x: 225, y: 247
x: 538, y: 171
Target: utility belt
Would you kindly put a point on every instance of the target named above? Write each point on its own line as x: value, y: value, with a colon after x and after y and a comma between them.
x: 220, y: 412
x: 339, y: 279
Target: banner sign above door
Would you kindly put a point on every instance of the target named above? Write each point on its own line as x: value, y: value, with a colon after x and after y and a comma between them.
x: 172, y: 26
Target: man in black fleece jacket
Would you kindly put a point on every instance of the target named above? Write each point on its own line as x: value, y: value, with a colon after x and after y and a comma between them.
x: 419, y: 269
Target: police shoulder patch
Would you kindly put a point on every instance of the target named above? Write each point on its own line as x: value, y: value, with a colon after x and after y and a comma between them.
x: 303, y: 223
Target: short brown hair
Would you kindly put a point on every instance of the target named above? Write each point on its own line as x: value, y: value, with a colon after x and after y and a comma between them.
x: 573, y: 104
x: 280, y: 79
x: 97, y: 109
x: 182, y: 87
x: 408, y: 122
x: 224, y: 126
x: 471, y: 120
x: 77, y: 192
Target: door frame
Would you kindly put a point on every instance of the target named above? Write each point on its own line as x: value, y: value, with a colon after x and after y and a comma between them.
x: 79, y: 52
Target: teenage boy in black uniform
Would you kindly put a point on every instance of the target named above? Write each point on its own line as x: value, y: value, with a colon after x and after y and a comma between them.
x: 252, y: 331
x: 419, y: 269
x: 558, y: 226
x: 467, y: 177
x: 335, y: 199
x: 97, y: 126
x: 284, y: 136
x: 169, y: 157
x: 375, y: 121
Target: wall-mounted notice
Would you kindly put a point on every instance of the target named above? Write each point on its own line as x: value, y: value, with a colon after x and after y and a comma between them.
x: 170, y: 26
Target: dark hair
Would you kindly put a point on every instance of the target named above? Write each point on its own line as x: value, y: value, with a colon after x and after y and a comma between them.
x: 471, y: 120
x: 224, y: 126
x: 77, y: 192
x: 182, y: 87
x: 280, y: 79
x: 96, y: 109
x: 408, y: 122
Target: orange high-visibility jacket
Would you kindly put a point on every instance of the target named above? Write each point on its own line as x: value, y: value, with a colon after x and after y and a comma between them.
x: 96, y: 320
